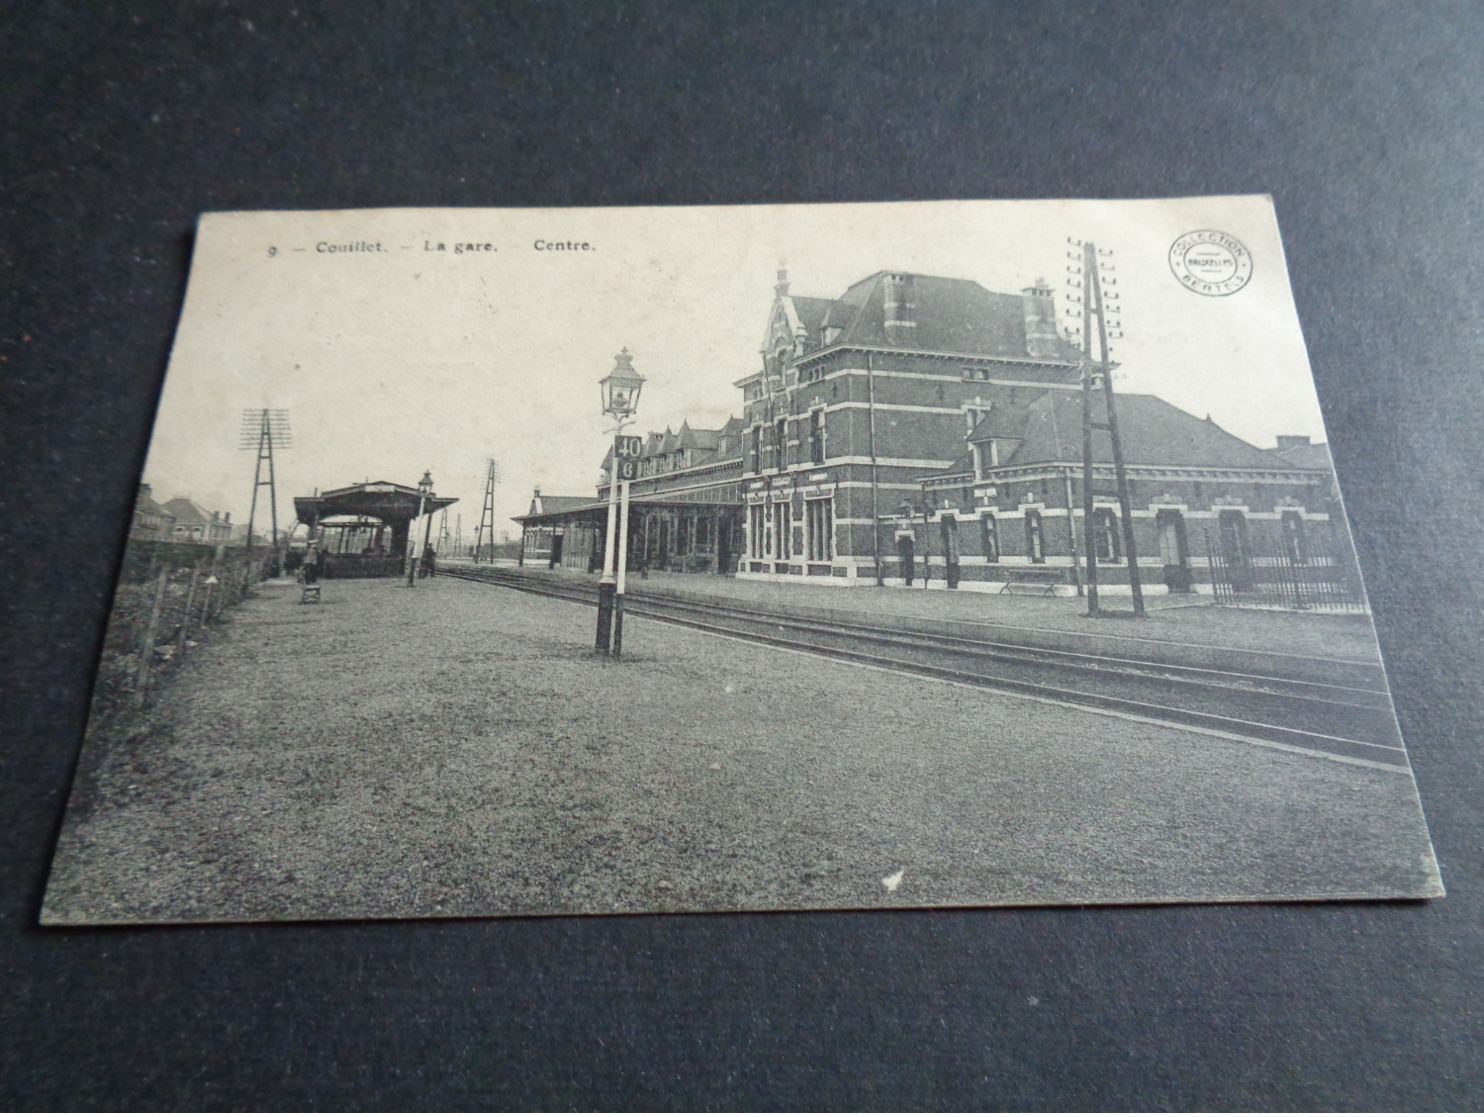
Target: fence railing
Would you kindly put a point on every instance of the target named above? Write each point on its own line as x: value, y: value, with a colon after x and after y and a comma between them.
x: 165, y: 598
x: 1323, y: 584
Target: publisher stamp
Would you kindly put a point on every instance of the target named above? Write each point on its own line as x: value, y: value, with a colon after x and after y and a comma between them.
x: 1209, y: 262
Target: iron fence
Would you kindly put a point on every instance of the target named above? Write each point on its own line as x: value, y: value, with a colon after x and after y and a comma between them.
x: 1315, y: 583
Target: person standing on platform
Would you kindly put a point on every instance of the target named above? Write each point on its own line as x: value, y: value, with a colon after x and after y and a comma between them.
x: 430, y: 562
x: 311, y: 565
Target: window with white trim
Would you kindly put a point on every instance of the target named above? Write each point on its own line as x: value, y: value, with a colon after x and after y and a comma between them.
x: 990, y: 535
x: 816, y: 436
x: 782, y: 530
x: 1035, y: 543
x: 819, y: 535
x: 755, y: 530
x: 1295, y: 545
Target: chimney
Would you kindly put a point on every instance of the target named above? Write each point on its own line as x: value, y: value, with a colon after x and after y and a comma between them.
x: 781, y: 287
x: 1041, y: 338
x: 1291, y: 441
x: 899, y: 308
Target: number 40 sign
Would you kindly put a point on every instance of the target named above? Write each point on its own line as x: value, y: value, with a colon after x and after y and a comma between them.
x: 626, y: 451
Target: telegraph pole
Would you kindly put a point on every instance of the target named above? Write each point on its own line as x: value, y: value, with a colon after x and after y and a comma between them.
x: 1089, y: 542
x: 1095, y: 306
x: 487, y: 513
x: 263, y: 428
x: 1125, y: 505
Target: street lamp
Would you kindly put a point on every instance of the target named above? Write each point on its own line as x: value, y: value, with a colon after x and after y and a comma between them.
x: 424, y: 494
x: 620, y: 396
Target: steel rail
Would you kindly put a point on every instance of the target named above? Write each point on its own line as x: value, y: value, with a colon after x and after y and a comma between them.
x: 754, y: 625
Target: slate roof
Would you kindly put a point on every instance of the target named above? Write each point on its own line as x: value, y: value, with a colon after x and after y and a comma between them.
x: 145, y: 504
x: 693, y: 438
x: 550, y: 504
x: 952, y: 316
x: 812, y: 313
x: 1311, y: 455
x: 1049, y: 428
x: 186, y: 511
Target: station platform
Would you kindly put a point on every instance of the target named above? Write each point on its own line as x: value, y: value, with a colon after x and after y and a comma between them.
x: 460, y: 750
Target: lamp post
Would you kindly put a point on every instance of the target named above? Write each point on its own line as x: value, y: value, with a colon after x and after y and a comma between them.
x: 620, y: 394
x: 424, y: 491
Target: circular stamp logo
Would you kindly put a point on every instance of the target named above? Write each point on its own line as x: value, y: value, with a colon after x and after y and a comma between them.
x: 1210, y: 262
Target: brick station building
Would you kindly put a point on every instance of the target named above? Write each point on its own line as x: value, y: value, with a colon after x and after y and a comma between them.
x: 921, y: 424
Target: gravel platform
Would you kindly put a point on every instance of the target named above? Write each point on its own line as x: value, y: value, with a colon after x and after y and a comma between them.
x: 459, y: 750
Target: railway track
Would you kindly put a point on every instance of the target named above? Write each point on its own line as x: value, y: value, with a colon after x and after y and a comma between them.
x: 1353, y: 723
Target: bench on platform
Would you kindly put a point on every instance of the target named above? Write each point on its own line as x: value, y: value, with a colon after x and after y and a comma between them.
x: 1034, y: 582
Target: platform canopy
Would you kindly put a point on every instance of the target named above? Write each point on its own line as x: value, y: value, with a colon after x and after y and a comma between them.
x: 392, y: 504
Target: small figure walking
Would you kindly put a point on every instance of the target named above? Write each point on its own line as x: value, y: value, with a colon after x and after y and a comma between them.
x: 429, y: 564
x: 309, y: 574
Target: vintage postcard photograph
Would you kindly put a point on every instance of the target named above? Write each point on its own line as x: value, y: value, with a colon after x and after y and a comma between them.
x: 527, y: 562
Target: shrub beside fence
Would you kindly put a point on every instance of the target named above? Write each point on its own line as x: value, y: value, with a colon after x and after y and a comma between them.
x: 167, y: 594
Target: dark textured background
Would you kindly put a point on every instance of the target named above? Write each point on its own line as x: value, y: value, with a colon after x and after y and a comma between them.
x: 123, y: 121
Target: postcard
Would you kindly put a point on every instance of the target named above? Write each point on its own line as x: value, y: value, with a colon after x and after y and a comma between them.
x: 759, y: 558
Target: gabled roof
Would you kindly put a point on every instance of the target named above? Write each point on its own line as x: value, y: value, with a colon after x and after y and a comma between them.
x: 544, y: 505
x: 693, y: 438
x: 1153, y: 432
x: 186, y: 511
x: 148, y: 506
x: 812, y: 313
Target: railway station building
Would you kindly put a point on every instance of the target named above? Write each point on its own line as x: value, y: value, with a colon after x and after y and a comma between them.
x: 923, y: 425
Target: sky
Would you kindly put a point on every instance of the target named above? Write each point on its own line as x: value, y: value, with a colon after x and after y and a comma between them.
x: 393, y: 357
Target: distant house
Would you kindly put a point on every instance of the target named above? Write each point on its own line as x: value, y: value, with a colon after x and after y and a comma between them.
x: 193, y: 524
x: 151, y: 521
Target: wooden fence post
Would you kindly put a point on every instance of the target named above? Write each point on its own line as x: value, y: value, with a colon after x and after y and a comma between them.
x: 147, y: 655
x: 185, y: 623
